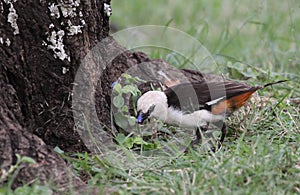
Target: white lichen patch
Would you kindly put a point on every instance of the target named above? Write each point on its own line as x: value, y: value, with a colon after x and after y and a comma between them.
x: 57, y: 45
x: 51, y: 26
x: 12, y: 19
x: 9, y: 1
x: 54, y: 11
x: 12, y: 16
x: 74, y: 29
x: 1, y: 7
x: 68, y: 8
x: 44, y: 43
x: 68, y: 11
x: 7, y: 42
x: 1, y: 40
x: 65, y: 70
x: 107, y: 9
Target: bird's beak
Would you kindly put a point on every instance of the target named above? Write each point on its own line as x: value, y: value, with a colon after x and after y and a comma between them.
x: 140, y: 118
x: 143, y: 116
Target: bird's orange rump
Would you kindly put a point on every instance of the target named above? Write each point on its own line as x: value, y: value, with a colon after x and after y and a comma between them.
x: 232, y: 104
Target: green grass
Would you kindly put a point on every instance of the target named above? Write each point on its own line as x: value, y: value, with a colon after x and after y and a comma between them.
x: 261, y: 154
x: 261, y: 33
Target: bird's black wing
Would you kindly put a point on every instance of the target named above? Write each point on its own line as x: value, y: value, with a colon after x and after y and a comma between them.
x: 189, y: 97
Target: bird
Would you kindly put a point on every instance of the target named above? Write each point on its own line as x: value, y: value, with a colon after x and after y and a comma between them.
x: 197, y: 103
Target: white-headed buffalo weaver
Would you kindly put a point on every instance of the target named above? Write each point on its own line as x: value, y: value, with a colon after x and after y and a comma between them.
x: 196, y: 104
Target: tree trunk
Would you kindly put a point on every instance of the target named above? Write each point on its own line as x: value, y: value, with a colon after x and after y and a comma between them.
x: 41, y: 45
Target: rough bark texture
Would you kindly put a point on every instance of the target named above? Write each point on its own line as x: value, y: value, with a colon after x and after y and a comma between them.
x: 36, y: 82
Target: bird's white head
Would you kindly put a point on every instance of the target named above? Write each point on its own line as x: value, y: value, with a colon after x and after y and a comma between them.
x: 152, y: 104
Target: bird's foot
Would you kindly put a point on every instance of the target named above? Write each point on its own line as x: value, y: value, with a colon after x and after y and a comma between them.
x: 197, y: 140
x: 192, y: 145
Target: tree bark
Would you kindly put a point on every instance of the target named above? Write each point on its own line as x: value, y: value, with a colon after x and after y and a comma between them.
x: 41, y: 45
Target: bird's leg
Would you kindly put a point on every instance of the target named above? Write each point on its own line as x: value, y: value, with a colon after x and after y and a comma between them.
x: 198, y: 138
x: 223, y: 134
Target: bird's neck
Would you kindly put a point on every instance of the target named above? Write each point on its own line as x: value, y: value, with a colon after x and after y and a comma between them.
x: 195, y: 119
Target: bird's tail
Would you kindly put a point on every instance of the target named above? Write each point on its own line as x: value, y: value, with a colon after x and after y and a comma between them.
x: 273, y: 83
x: 238, y: 101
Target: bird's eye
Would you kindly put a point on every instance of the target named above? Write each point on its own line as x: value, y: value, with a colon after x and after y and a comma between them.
x: 151, y: 109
